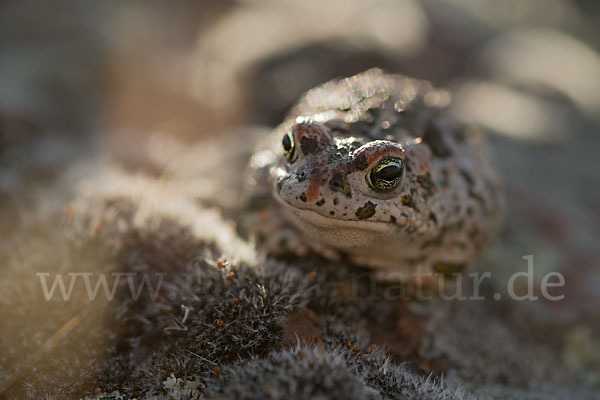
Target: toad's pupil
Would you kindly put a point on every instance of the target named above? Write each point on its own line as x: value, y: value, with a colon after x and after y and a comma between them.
x: 287, y: 143
x: 389, y: 173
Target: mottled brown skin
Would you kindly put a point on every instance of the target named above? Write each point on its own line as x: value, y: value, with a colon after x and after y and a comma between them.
x: 438, y: 203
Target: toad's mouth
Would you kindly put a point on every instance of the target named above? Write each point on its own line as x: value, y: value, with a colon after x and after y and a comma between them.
x: 332, y: 223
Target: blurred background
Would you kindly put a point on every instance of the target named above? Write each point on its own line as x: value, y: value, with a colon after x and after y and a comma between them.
x: 132, y: 83
x: 195, y: 68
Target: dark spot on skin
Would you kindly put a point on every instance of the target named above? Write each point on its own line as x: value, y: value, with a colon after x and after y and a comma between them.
x: 469, y: 210
x: 433, y: 217
x: 392, y: 219
x: 331, y: 212
x: 359, y: 163
x: 309, y: 146
x: 335, y: 201
x: 448, y: 269
x: 344, y: 214
x: 408, y: 201
x: 467, y: 177
x: 320, y: 202
x: 435, y: 140
x: 339, y: 183
x: 477, y: 197
x: 303, y: 197
x: 366, y: 211
x: 473, y: 234
x: 426, y: 183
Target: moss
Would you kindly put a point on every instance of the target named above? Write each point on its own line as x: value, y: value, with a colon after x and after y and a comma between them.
x: 312, y: 372
x: 133, y: 345
x: 303, y: 373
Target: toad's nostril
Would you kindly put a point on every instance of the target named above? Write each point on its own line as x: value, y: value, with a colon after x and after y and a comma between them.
x: 302, y: 174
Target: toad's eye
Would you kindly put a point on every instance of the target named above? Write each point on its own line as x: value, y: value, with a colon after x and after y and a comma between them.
x: 289, y: 148
x: 386, y: 175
